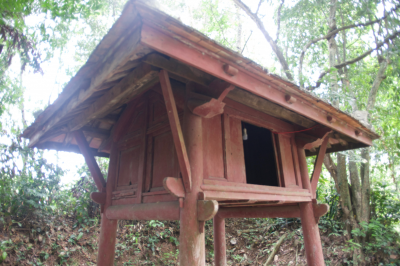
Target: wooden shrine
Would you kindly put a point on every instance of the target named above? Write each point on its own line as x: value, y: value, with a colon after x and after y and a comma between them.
x: 194, y: 131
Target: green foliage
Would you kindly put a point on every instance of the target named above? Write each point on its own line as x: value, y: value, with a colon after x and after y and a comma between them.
x: 28, y: 184
x: 383, y: 240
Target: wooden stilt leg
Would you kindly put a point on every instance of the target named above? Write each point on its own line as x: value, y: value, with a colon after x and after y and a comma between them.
x: 219, y: 241
x: 192, y: 244
x: 108, y: 234
x: 312, y: 239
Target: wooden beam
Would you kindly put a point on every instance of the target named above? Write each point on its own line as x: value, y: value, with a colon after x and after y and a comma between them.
x: 90, y: 160
x: 146, y: 211
x: 125, y: 52
x: 196, y: 56
x: 96, y: 132
x: 69, y: 148
x: 238, y: 95
x: 268, y: 107
x: 177, y: 68
x: 291, y: 211
x: 140, y: 79
x: 176, y: 130
x: 318, y: 165
x: 109, y: 119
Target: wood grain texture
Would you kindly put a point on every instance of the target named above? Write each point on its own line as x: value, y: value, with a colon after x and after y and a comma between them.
x: 176, y: 129
x: 187, y: 52
x: 140, y: 79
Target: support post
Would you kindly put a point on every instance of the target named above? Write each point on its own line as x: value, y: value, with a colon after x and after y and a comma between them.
x: 90, y: 160
x: 192, y: 245
x: 312, y: 239
x: 108, y: 234
x: 108, y: 229
x: 219, y: 241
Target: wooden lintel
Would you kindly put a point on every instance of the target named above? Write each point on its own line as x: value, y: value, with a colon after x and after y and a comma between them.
x: 178, y: 68
x: 140, y: 79
x: 248, y: 99
x: 176, y: 129
x: 206, y: 209
x: 318, y: 164
x: 90, y: 160
x: 174, y: 186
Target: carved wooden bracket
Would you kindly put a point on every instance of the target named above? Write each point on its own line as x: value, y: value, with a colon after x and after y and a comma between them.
x: 320, y: 210
x: 206, y: 210
x: 175, y: 186
x: 98, y: 197
x: 211, y: 108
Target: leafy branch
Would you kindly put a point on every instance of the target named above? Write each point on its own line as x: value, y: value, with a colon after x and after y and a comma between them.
x: 333, y: 33
x: 354, y: 60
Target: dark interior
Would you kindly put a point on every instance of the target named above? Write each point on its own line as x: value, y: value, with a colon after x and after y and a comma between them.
x: 259, y: 156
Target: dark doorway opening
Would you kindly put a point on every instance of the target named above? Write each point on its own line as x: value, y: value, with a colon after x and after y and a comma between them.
x: 259, y: 156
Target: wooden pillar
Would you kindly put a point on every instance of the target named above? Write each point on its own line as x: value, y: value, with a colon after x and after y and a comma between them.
x: 312, y: 239
x: 108, y: 228
x: 192, y: 244
x: 219, y: 241
x: 108, y: 234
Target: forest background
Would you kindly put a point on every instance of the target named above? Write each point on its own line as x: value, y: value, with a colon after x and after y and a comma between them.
x: 345, y: 52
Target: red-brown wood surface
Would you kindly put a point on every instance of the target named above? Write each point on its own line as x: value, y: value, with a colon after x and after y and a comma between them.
x: 219, y: 241
x: 149, y: 211
x: 312, y: 239
x: 164, y: 159
x: 107, y: 239
x: 287, y: 167
x: 213, y: 148
x: 129, y: 166
x: 174, y: 186
x: 90, y: 160
x: 235, y: 168
x: 108, y: 229
x: 176, y: 129
x: 201, y: 60
x: 318, y: 166
x: 192, y: 243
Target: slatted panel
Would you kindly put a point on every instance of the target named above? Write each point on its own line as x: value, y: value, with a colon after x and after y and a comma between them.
x: 164, y: 162
x: 287, y: 167
x: 234, y: 150
x: 129, y: 166
x: 213, y: 148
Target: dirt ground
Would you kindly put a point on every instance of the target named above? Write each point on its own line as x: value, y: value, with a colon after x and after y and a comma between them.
x: 249, y: 242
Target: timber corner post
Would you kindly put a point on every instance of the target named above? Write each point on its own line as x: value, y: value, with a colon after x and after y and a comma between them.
x: 194, y: 132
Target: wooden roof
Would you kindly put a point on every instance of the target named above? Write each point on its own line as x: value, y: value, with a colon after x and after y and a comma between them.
x: 125, y: 64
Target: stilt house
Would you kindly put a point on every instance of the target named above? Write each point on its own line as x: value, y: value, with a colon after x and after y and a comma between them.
x: 194, y: 131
